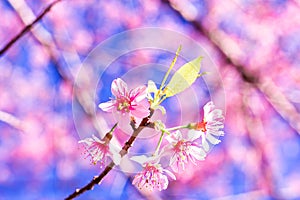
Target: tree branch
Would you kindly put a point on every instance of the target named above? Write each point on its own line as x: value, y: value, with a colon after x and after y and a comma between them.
x: 108, y: 168
x: 27, y: 28
x: 257, y: 137
x: 11, y: 120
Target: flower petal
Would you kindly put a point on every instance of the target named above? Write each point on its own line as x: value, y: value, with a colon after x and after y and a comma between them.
x: 174, y: 166
x: 140, y: 159
x: 138, y: 94
x: 177, y: 135
x: 198, y: 153
x: 140, y: 111
x: 193, y: 135
x: 170, y: 138
x: 97, y: 139
x: 164, y: 182
x: 212, y: 139
x: 151, y: 87
x: 205, y: 145
x: 119, y: 88
x: 169, y: 173
x: 107, y: 106
x: 87, y: 141
x: 216, y: 133
x: 215, y: 115
x: 174, y: 137
x: 208, y: 108
x: 166, y: 150
x: 114, y: 152
x: 135, y: 179
x: 116, y: 158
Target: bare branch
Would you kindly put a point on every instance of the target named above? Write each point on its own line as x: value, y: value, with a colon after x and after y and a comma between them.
x: 10, y: 119
x: 28, y: 27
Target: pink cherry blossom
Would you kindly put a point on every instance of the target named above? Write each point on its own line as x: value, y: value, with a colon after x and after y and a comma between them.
x: 131, y: 102
x: 152, y: 176
x: 183, y: 150
x: 209, y: 127
x: 100, y: 150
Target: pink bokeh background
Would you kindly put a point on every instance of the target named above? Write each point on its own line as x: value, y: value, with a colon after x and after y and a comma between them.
x: 254, y: 45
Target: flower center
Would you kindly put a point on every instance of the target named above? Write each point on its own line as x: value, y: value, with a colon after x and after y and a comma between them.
x: 123, y: 105
x: 181, y: 146
x: 201, y: 126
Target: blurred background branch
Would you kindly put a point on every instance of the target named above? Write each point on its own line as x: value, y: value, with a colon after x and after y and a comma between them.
x: 26, y: 14
x: 11, y: 120
x: 279, y: 102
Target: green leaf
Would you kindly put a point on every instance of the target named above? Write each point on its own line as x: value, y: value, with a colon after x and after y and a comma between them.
x: 183, y: 78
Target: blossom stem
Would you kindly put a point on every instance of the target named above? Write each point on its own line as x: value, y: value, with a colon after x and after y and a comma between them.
x: 132, y: 124
x: 169, y: 70
x: 110, y: 166
x: 113, y: 128
x: 159, y: 143
x: 178, y: 127
x: 109, y: 135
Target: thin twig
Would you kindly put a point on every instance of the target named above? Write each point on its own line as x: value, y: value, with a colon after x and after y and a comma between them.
x: 27, y: 28
x: 125, y: 148
x: 11, y: 120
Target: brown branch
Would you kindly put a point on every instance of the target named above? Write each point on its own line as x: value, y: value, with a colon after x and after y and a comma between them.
x: 108, y: 168
x: 27, y: 28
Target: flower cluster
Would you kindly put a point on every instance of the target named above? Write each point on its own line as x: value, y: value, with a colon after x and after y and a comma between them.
x: 182, y: 149
x: 179, y: 148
